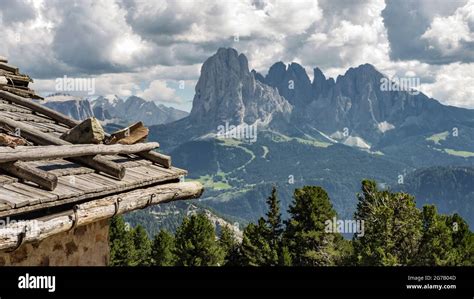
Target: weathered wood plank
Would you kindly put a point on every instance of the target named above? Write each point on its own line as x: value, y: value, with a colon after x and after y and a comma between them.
x: 12, y: 108
x: 25, y: 117
x: 9, y: 68
x: 6, y: 179
x: 15, y: 200
x: 65, y: 188
x: 22, y: 92
x: 24, y: 171
x: 33, y: 198
x: 34, y: 153
x: 68, y: 194
x: 20, y: 79
x: 39, y: 194
x: 62, y: 167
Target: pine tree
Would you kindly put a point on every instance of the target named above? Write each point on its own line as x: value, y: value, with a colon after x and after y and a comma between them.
x: 446, y: 240
x: 392, y: 227
x: 262, y: 242
x: 122, y: 251
x: 436, y: 244
x: 227, y: 238
x: 463, y: 240
x: 256, y: 249
x: 229, y: 246
x: 305, y: 234
x: 142, y: 246
x: 196, y: 243
x: 162, y: 249
x: 274, y: 219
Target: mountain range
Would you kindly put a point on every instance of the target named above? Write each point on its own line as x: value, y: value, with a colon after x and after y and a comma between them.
x: 112, y: 109
x: 326, y: 132
x: 321, y: 131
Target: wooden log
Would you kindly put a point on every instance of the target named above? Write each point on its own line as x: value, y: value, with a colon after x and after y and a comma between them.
x: 60, y: 118
x: 87, y: 132
x: 6, y: 86
x: 21, y: 91
x: 40, y: 177
x: 35, y: 153
x: 130, y: 135
x: 20, y: 79
x: 156, y: 157
x: 3, y: 59
x: 97, y: 162
x: 9, y: 68
x: 96, y: 210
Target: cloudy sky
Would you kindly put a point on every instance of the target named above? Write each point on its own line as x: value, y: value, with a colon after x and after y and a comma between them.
x: 155, y: 49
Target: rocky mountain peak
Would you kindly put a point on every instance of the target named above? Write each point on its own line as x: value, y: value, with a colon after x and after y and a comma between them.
x: 228, y: 92
x: 320, y: 84
x: 292, y: 82
x: 72, y: 106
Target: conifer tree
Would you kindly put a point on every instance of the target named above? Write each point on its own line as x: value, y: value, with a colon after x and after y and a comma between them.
x: 227, y: 238
x: 392, y: 227
x: 262, y: 242
x: 142, y: 246
x: 274, y: 219
x: 196, y: 243
x: 446, y: 240
x: 122, y: 250
x: 305, y: 235
x: 162, y: 249
x: 230, y: 246
x: 256, y: 249
x: 436, y: 244
x: 463, y: 240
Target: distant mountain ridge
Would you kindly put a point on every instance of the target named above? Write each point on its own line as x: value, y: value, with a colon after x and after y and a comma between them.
x: 74, y: 107
x: 449, y: 188
x: 113, y: 109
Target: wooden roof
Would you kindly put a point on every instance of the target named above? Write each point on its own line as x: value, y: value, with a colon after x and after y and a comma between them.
x: 76, y: 182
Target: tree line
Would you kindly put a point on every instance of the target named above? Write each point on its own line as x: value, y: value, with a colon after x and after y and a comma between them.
x: 395, y: 232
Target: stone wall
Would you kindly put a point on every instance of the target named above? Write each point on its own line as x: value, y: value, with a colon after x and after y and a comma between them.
x: 84, y: 246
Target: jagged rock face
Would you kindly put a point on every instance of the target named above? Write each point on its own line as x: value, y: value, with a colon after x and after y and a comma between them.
x: 293, y: 83
x: 105, y: 108
x: 321, y: 86
x: 228, y: 92
x: 357, y: 102
x: 354, y: 102
x: 71, y: 106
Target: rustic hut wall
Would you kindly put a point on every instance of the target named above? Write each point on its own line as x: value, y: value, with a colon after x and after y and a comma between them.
x: 85, y: 245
